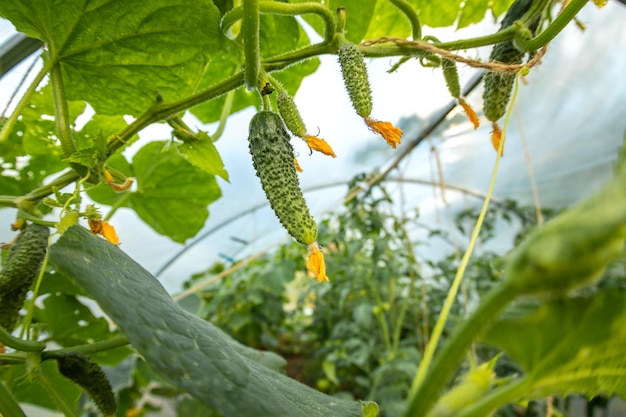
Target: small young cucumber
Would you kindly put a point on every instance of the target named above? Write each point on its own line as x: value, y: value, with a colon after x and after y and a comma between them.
x: 21, y: 269
x: 272, y: 157
x: 355, y: 78
x: 451, y: 75
x: 499, y: 85
x: 83, y: 371
x: 290, y: 114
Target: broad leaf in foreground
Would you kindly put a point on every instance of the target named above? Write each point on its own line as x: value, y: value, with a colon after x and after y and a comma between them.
x: 186, y: 351
x: 569, y: 346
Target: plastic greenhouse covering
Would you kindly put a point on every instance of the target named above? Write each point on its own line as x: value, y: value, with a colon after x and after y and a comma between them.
x: 568, y: 124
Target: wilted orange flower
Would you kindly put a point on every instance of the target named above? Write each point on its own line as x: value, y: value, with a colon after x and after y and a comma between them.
x: 117, y: 187
x: 98, y: 227
x: 496, y: 137
x: 469, y: 111
x: 319, y: 145
x: 315, y: 263
x: 109, y: 233
x: 298, y: 167
x: 388, y: 131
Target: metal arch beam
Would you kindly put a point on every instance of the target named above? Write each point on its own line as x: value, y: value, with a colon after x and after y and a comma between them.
x: 15, y: 50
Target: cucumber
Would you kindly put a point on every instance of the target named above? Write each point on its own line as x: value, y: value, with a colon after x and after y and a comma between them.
x: 499, y: 85
x: 83, y: 371
x: 355, y: 78
x: 451, y: 75
x: 21, y: 269
x: 188, y: 352
x: 273, y: 160
x: 290, y: 114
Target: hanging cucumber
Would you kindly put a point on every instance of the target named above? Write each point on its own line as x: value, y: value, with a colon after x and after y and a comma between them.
x: 272, y: 156
x: 499, y: 85
x: 83, y: 371
x: 20, y: 271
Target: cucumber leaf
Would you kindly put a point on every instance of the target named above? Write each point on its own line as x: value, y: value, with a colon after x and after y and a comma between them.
x: 116, y: 54
x: 186, y: 351
x: 569, y: 346
x: 168, y: 197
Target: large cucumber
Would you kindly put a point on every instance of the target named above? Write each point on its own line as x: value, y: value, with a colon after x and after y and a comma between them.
x: 21, y: 270
x: 273, y: 159
x: 185, y: 350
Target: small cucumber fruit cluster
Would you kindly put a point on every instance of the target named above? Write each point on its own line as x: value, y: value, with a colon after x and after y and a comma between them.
x: 273, y: 160
x: 84, y: 372
x: 20, y: 271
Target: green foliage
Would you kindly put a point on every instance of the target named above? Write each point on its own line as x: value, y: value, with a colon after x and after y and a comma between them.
x: 166, y: 184
x: 112, y: 55
x: 569, y: 345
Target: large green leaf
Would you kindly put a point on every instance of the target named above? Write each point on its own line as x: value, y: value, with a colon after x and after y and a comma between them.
x: 172, y: 195
x: 569, y: 346
x: 203, y: 154
x: 388, y: 20
x: 186, y: 351
x: 118, y: 54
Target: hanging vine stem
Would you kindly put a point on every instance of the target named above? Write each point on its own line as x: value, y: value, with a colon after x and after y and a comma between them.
x: 474, y: 63
x: 251, y: 31
x: 61, y: 116
x: 423, y: 395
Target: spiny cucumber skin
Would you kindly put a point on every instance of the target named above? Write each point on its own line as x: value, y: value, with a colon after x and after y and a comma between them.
x: 20, y: 271
x: 355, y: 78
x: 83, y: 371
x: 499, y: 85
x: 451, y: 75
x: 273, y: 160
x: 290, y: 114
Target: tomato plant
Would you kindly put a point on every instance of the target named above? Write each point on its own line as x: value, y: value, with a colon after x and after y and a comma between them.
x: 141, y: 63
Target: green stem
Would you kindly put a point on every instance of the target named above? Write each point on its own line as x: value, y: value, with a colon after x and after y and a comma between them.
x: 251, y: 31
x: 27, y: 216
x: 287, y: 9
x: 553, y: 30
x: 161, y: 111
x: 425, y: 394
x: 62, y: 116
x: 9, y: 406
x: 8, y: 201
x: 496, y: 399
x: 228, y: 105
x: 87, y: 349
x: 408, y: 10
x: 16, y: 343
x: 9, y: 123
x: 12, y: 359
x: 58, y: 399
